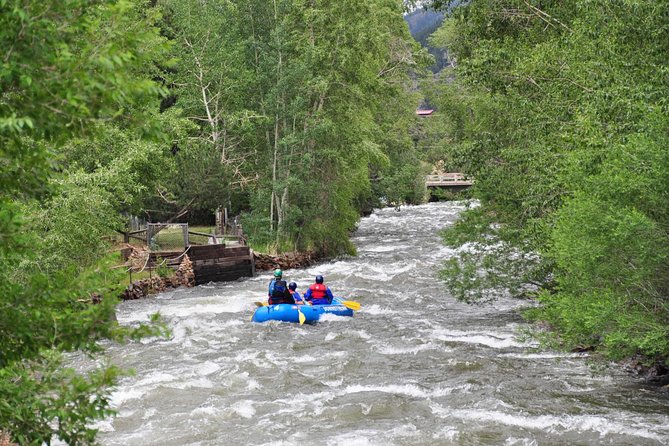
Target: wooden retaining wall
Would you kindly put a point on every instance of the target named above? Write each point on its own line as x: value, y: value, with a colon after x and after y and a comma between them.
x: 216, y: 263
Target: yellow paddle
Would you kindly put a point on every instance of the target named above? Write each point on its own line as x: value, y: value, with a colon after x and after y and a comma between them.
x: 353, y: 305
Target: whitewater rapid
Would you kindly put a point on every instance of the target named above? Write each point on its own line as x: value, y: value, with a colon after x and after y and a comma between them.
x: 413, y: 367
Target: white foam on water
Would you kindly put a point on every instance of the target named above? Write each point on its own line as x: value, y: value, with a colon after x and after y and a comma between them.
x: 543, y: 355
x: 403, y: 431
x: 273, y: 359
x: 232, y: 323
x: 376, y: 274
x: 378, y: 310
x: 411, y: 349
x: 181, y: 332
x: 357, y: 438
x: 329, y: 317
x: 573, y: 389
x: 205, y: 368
x: 339, y: 267
x: 410, y: 390
x: 329, y: 356
x: 189, y: 309
x: 448, y: 433
x: 249, y: 355
x: 206, y: 411
x: 155, y: 378
x: 550, y: 423
x: 499, y: 341
x: 384, y: 272
x: 361, y: 334
x: 368, y: 437
x: 253, y: 385
x: 512, y: 441
x: 119, y: 397
x: 445, y: 252
x: 312, y: 403
x: 135, y: 316
x: 244, y: 408
x: 106, y: 425
x: 384, y: 248
x: 150, y: 382
x: 334, y: 383
x: 198, y: 383
x: 204, y: 332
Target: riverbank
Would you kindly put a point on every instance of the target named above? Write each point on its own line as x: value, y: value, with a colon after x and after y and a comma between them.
x: 184, y: 275
x: 655, y: 374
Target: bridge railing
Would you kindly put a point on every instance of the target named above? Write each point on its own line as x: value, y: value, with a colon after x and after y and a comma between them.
x: 448, y: 179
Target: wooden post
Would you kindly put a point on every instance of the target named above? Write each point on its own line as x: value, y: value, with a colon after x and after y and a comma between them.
x: 149, y: 230
x: 219, y: 221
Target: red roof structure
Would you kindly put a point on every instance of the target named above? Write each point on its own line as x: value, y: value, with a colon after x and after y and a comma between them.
x: 424, y: 112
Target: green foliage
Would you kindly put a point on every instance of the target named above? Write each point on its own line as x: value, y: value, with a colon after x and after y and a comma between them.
x: 611, y: 260
x: 162, y: 269
x: 43, y: 400
x: 557, y: 111
x: 299, y: 104
x: 70, y: 69
x: 486, y: 264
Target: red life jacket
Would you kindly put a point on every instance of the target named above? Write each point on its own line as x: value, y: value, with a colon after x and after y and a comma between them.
x: 317, y: 290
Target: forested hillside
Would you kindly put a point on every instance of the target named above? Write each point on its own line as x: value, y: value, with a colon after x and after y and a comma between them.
x: 559, y: 111
x: 293, y: 115
x: 422, y: 23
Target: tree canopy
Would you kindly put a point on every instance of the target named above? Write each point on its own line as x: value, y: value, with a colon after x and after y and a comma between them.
x: 558, y: 109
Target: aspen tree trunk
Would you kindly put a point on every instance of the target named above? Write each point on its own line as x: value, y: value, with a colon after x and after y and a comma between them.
x: 275, y: 201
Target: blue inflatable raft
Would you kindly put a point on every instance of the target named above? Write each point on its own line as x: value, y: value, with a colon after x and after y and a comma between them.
x: 290, y: 313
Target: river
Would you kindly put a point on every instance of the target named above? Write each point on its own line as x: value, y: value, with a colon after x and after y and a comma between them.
x: 413, y: 367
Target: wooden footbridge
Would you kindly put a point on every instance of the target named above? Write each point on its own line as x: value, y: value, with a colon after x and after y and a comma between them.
x: 452, y: 180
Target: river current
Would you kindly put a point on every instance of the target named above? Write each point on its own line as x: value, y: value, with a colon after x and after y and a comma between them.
x: 413, y: 367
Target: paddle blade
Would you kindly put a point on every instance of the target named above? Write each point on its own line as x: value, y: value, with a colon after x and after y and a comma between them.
x: 300, y: 316
x: 353, y: 305
x: 260, y: 304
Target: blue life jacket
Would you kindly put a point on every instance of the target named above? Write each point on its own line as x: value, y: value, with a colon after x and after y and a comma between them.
x: 279, y: 293
x: 279, y: 288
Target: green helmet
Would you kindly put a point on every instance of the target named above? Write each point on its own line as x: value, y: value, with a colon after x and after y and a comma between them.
x: 277, y: 273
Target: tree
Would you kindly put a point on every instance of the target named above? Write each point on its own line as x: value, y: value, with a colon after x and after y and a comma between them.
x: 293, y: 94
x: 336, y: 64
x: 562, y: 121
x: 67, y: 67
